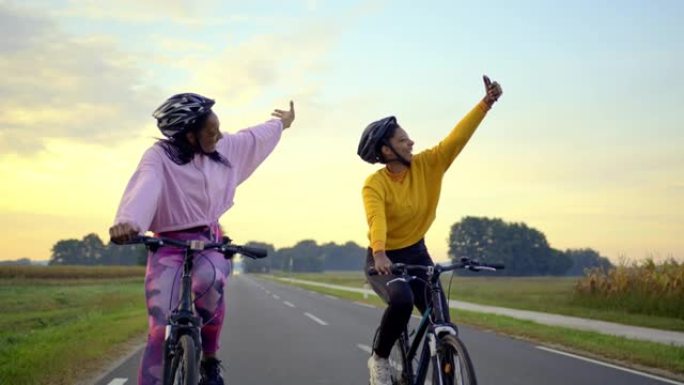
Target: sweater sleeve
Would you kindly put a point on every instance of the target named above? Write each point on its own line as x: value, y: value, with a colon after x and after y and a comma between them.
x: 247, y: 148
x: 444, y: 153
x: 139, y: 202
x: 374, y: 204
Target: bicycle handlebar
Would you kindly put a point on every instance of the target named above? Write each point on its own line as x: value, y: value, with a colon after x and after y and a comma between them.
x: 465, y: 263
x: 224, y: 247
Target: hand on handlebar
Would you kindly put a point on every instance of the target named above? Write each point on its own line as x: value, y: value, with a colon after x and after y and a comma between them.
x: 123, y: 233
x: 383, y: 265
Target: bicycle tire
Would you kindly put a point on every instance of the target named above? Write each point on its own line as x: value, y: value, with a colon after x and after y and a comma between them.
x: 182, y: 369
x: 456, y: 366
x: 397, y: 361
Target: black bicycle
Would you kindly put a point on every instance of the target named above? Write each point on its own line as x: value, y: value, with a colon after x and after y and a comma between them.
x: 182, y: 344
x: 444, y: 357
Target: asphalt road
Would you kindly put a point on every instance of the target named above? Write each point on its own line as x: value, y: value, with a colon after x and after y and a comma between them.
x: 280, y: 334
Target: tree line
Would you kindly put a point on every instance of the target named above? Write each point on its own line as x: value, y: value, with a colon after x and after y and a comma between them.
x: 92, y: 251
x: 524, y: 250
x: 308, y: 256
x: 305, y: 256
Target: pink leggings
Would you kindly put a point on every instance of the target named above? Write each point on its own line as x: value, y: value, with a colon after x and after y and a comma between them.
x: 162, y: 290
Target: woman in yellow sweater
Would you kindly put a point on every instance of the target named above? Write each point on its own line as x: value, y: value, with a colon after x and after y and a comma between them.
x: 400, y: 201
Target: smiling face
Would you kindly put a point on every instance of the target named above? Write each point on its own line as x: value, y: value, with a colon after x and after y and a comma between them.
x: 401, y: 143
x: 207, y: 137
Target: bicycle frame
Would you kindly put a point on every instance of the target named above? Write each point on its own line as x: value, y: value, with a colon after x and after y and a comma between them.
x: 433, y: 323
x: 434, y: 326
x: 183, y: 320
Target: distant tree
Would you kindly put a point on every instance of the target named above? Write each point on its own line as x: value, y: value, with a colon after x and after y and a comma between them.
x: 474, y: 237
x: 124, y: 255
x: 259, y: 265
x: 91, y: 251
x: 522, y: 249
x: 349, y: 256
x: 560, y: 263
x: 17, y: 262
x: 307, y: 256
x: 67, y: 252
x: 283, y: 259
x: 583, y: 259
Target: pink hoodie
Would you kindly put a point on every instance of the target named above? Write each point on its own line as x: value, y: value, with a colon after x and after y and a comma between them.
x: 163, y: 196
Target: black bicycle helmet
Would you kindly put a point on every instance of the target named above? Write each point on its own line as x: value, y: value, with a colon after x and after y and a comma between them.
x: 180, y: 111
x: 373, y: 137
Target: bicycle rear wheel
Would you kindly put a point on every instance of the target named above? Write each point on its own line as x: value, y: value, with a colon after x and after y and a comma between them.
x: 181, y: 368
x: 454, y: 362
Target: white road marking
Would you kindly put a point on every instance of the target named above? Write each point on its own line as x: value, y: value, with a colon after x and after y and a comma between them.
x: 667, y: 380
x: 118, y: 381
x: 290, y: 304
x: 365, y: 348
x: 275, y: 297
x: 318, y: 320
x: 364, y: 305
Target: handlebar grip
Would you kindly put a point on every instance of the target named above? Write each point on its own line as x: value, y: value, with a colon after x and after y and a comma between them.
x: 395, y: 269
x: 144, y: 240
x: 136, y: 239
x: 253, y: 252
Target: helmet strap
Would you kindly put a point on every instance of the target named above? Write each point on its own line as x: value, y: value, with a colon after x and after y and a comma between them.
x: 400, y: 158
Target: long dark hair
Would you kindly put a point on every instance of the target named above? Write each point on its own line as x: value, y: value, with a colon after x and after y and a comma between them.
x: 181, y: 151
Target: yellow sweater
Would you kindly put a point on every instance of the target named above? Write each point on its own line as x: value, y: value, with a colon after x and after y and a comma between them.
x: 401, y: 207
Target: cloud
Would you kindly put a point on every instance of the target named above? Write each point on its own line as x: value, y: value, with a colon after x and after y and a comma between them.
x: 183, y: 12
x: 289, y: 62
x: 61, y: 86
x: 97, y: 89
x: 23, y: 30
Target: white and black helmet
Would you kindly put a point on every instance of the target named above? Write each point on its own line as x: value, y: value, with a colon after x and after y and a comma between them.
x: 180, y: 111
x: 373, y: 137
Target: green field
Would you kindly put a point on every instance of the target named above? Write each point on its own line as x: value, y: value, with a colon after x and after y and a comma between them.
x: 58, y: 331
x: 660, y: 359
x: 546, y: 294
x: 60, y: 325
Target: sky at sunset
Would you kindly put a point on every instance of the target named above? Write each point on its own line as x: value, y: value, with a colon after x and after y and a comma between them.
x: 586, y: 143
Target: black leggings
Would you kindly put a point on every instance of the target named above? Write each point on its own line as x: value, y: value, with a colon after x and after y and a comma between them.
x: 399, y: 295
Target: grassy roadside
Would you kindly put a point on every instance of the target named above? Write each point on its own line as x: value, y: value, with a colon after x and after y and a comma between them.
x: 664, y: 360
x: 58, y: 331
x: 544, y: 294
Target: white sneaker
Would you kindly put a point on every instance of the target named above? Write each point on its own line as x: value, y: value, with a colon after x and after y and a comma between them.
x: 379, y: 370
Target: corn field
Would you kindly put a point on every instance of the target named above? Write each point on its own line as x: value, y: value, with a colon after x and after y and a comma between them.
x: 71, y: 272
x: 643, y: 287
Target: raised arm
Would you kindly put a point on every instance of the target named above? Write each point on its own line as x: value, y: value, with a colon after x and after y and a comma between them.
x: 448, y: 149
x: 248, y: 148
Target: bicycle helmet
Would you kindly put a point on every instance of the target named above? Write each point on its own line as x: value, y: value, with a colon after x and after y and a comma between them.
x: 180, y: 111
x: 373, y: 137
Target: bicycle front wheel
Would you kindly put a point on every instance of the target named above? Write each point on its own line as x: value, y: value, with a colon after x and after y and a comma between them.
x: 181, y: 368
x: 454, y: 364
x: 400, y: 370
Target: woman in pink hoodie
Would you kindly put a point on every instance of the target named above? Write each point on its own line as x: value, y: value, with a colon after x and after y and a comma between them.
x: 181, y: 187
